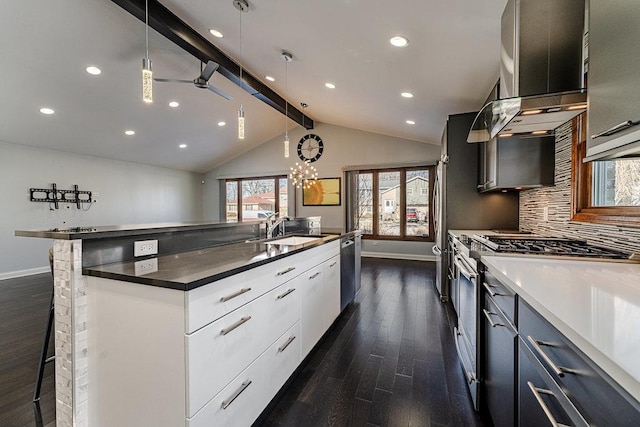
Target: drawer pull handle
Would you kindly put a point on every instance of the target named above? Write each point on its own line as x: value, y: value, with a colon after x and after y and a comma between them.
x: 536, y: 393
x: 285, y: 345
x: 288, y: 270
x: 286, y: 293
x: 235, y: 325
x: 536, y: 344
x: 617, y: 128
x: 491, y: 292
x: 313, y: 276
x: 488, y: 315
x: 243, y: 387
x: 333, y: 263
x: 237, y: 294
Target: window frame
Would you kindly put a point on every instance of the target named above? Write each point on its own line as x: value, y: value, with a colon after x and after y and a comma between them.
x: 581, y: 186
x: 238, y: 181
x: 402, y: 206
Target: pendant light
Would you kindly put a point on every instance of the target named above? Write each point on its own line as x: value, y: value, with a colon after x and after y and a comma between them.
x: 287, y: 58
x: 147, y: 73
x: 242, y: 6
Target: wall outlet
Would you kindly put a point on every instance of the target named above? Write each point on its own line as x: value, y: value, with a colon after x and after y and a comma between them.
x: 94, y: 197
x: 545, y: 213
x: 146, y: 266
x: 145, y: 247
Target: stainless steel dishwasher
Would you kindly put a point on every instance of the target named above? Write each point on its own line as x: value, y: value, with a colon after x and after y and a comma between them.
x: 350, y: 249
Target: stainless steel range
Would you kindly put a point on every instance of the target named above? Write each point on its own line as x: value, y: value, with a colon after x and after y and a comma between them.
x: 465, y: 294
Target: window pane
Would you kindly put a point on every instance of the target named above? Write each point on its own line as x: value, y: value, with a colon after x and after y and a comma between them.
x: 232, y: 201
x: 616, y: 183
x: 417, y: 203
x: 364, y: 208
x: 389, y: 203
x: 284, y: 207
x: 258, y: 199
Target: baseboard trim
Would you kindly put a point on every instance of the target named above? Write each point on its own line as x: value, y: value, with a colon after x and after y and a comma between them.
x: 22, y: 273
x: 390, y: 255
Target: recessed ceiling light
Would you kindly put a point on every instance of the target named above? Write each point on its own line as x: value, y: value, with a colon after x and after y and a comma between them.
x: 182, y: 145
x: 222, y: 123
x: 271, y: 79
x: 47, y: 111
x: 174, y: 104
x: 399, y: 41
x: 216, y: 33
x: 129, y: 132
x: 330, y: 85
x: 410, y: 122
x: 93, y: 70
x: 407, y: 94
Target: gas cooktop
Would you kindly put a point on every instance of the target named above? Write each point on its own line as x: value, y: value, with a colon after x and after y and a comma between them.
x: 545, y: 246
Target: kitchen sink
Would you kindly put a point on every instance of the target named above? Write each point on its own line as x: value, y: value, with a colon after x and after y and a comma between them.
x: 293, y: 240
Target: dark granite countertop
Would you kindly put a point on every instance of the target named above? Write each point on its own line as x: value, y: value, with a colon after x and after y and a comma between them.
x: 109, y: 231
x: 189, y: 270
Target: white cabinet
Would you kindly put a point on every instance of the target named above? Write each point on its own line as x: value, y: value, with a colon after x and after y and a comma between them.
x: 331, y: 290
x: 240, y: 403
x: 312, y: 309
x: 216, y: 355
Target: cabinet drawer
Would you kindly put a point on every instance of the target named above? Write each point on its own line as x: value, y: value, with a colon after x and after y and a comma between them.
x: 501, y: 295
x: 597, y: 397
x: 240, y: 403
x: 218, y: 352
x: 210, y: 302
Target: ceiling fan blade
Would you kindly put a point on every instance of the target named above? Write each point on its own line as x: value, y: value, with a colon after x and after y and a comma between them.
x: 219, y: 92
x: 209, y: 70
x: 173, y: 80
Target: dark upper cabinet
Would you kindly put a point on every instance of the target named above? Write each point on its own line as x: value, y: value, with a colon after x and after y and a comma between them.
x: 613, y: 77
x: 516, y: 163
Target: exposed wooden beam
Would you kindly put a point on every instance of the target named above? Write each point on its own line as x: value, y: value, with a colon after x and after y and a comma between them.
x: 173, y: 28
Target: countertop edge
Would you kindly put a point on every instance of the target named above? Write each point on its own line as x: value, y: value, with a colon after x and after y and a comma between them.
x: 610, y: 367
x: 91, y: 271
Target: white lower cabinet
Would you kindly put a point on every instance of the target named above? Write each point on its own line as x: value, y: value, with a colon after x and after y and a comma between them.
x: 164, y: 357
x: 312, y: 308
x: 219, y: 351
x: 240, y: 403
x: 331, y: 290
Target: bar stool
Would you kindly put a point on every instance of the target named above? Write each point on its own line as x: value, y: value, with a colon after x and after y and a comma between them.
x: 45, y: 344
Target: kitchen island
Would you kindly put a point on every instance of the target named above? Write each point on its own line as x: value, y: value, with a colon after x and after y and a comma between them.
x: 134, y: 335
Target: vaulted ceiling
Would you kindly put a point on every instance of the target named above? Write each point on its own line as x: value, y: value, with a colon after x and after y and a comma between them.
x: 449, y: 66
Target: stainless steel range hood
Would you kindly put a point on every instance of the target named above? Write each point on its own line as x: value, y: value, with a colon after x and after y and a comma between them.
x: 541, y: 70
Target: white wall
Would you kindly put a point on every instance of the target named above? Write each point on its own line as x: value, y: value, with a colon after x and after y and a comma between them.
x: 129, y: 193
x: 342, y: 147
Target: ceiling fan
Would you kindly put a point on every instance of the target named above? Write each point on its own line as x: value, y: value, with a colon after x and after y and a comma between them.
x: 202, y: 81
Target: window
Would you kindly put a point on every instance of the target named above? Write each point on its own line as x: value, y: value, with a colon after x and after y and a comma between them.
x: 251, y: 199
x: 391, y: 203
x: 605, y: 192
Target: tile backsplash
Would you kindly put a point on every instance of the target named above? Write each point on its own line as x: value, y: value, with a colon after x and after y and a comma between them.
x: 558, y: 200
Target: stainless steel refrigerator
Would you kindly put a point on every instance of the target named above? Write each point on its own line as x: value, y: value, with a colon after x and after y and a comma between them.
x: 457, y: 203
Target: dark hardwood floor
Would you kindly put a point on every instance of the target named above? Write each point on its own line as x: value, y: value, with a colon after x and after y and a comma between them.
x: 389, y: 360
x: 24, y: 310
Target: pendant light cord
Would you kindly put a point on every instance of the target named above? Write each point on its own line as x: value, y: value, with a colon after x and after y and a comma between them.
x: 146, y: 19
x: 240, y: 58
x: 286, y: 103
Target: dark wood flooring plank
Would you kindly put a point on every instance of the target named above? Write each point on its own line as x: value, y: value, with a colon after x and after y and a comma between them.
x: 380, y: 408
x: 367, y: 385
x: 400, y: 408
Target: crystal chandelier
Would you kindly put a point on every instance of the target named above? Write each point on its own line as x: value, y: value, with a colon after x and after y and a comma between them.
x: 303, y: 175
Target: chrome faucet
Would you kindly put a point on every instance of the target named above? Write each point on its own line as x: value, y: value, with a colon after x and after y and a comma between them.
x: 273, y: 223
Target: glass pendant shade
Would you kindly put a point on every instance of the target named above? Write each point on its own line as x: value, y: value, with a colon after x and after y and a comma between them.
x: 286, y: 146
x: 147, y: 81
x: 241, y: 123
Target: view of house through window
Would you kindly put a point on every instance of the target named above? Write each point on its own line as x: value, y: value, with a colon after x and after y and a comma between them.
x: 255, y: 198
x: 616, y: 183
x: 393, y: 203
